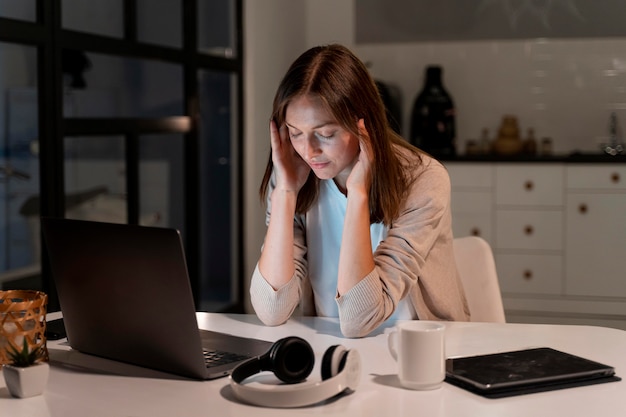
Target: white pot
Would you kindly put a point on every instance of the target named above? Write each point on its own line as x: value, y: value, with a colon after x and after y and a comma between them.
x: 26, y: 382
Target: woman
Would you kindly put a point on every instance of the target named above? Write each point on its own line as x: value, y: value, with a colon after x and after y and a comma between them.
x: 358, y: 220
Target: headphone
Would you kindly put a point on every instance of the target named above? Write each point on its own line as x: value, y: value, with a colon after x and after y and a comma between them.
x: 291, y: 360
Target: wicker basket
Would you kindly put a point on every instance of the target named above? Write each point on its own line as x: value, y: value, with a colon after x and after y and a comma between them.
x: 22, y: 316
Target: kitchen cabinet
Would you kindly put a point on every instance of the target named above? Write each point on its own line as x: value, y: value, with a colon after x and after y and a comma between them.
x: 596, y: 227
x: 472, y: 199
x: 529, y: 185
x: 558, y: 233
x: 528, y: 244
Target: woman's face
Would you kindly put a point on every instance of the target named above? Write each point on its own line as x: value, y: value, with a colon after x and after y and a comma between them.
x: 329, y: 149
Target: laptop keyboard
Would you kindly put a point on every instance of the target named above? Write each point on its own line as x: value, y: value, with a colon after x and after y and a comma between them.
x: 218, y: 357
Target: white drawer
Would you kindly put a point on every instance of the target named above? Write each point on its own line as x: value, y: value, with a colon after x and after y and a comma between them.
x: 530, y: 274
x: 472, y: 213
x: 473, y: 224
x: 610, y: 176
x: 472, y: 202
x: 529, y: 184
x: 470, y: 175
x: 529, y: 229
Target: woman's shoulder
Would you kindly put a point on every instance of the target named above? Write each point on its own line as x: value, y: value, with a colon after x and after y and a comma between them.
x: 418, y: 161
x: 427, y: 176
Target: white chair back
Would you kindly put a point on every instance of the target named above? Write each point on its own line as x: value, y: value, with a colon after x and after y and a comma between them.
x: 477, y: 268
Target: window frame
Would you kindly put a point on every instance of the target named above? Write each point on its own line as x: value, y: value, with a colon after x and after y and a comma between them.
x: 49, y: 37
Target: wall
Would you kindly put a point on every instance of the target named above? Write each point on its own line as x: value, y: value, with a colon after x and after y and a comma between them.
x: 273, y: 37
x: 564, y: 89
x: 275, y: 33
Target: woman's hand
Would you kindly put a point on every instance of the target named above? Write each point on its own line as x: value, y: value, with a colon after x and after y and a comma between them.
x: 356, y: 259
x: 290, y: 169
x: 360, y: 178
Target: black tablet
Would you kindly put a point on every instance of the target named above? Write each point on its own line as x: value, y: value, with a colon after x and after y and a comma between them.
x: 525, y: 371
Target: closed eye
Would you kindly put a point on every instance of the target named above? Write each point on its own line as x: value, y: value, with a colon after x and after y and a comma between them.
x: 319, y: 135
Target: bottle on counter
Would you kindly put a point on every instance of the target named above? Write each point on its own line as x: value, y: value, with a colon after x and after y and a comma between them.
x: 530, y: 144
x: 508, y: 141
x: 433, y: 118
x: 485, y: 142
x: 472, y: 147
x: 546, y: 146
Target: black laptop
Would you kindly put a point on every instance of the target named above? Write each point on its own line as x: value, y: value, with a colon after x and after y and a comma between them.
x: 125, y: 294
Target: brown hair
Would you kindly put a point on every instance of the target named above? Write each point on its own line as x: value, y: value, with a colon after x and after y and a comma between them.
x: 347, y: 90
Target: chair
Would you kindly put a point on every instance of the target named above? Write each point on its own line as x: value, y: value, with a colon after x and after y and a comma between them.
x: 477, y: 269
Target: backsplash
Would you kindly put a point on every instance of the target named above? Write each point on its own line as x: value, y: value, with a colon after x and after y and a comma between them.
x: 563, y: 89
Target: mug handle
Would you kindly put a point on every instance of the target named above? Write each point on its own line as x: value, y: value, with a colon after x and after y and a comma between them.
x: 392, y: 341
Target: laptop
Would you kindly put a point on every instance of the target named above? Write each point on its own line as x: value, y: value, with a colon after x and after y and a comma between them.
x: 125, y: 295
x: 525, y: 371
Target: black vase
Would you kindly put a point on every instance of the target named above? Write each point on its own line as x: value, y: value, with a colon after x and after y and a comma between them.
x: 433, y: 118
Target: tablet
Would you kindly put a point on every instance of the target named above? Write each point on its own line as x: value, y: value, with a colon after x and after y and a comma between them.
x: 525, y: 371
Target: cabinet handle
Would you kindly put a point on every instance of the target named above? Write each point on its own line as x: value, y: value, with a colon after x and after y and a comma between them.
x: 582, y: 209
x: 475, y: 231
x: 528, y: 274
x: 529, y: 185
x: 528, y: 230
x: 615, y: 178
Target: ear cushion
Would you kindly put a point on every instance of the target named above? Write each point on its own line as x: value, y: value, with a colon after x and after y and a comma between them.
x: 341, y: 372
x: 291, y: 359
x: 333, y: 361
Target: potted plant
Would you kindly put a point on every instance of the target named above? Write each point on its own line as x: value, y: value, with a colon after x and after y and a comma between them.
x: 26, y: 374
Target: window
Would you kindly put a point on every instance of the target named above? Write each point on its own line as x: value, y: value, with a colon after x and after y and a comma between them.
x: 128, y: 111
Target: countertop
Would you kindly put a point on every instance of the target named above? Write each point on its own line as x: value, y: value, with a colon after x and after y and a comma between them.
x: 83, y: 385
x: 574, y: 157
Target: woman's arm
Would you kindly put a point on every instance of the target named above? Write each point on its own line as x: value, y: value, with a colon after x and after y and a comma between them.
x: 415, y: 260
x: 272, y: 305
x: 290, y: 172
x: 355, y: 257
x: 276, y: 261
x: 277, y: 265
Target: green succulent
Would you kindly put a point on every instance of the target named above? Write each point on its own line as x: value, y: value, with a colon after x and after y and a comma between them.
x: 24, y: 357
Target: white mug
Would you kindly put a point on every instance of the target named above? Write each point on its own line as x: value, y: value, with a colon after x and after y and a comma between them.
x: 419, y: 348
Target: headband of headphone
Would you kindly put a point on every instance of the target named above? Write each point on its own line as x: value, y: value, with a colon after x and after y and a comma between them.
x: 291, y: 360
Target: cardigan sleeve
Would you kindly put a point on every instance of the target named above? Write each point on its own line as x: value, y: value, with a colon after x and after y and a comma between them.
x: 275, y: 306
x: 415, y: 260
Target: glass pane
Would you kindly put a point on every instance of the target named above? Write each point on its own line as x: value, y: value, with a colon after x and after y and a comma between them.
x: 218, y: 135
x: 160, y: 22
x: 19, y: 169
x: 18, y: 9
x: 99, y: 17
x: 95, y: 179
x: 161, y: 178
x: 122, y: 87
x: 216, y: 27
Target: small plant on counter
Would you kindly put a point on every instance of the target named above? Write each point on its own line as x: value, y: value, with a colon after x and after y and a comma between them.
x: 27, y: 373
x: 25, y: 357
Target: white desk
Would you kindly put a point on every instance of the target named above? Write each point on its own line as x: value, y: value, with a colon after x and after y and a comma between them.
x: 77, y: 392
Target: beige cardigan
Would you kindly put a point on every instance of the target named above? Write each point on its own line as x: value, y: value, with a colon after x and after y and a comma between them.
x: 415, y: 260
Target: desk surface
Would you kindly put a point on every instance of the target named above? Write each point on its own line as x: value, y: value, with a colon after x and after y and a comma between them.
x: 74, y: 390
